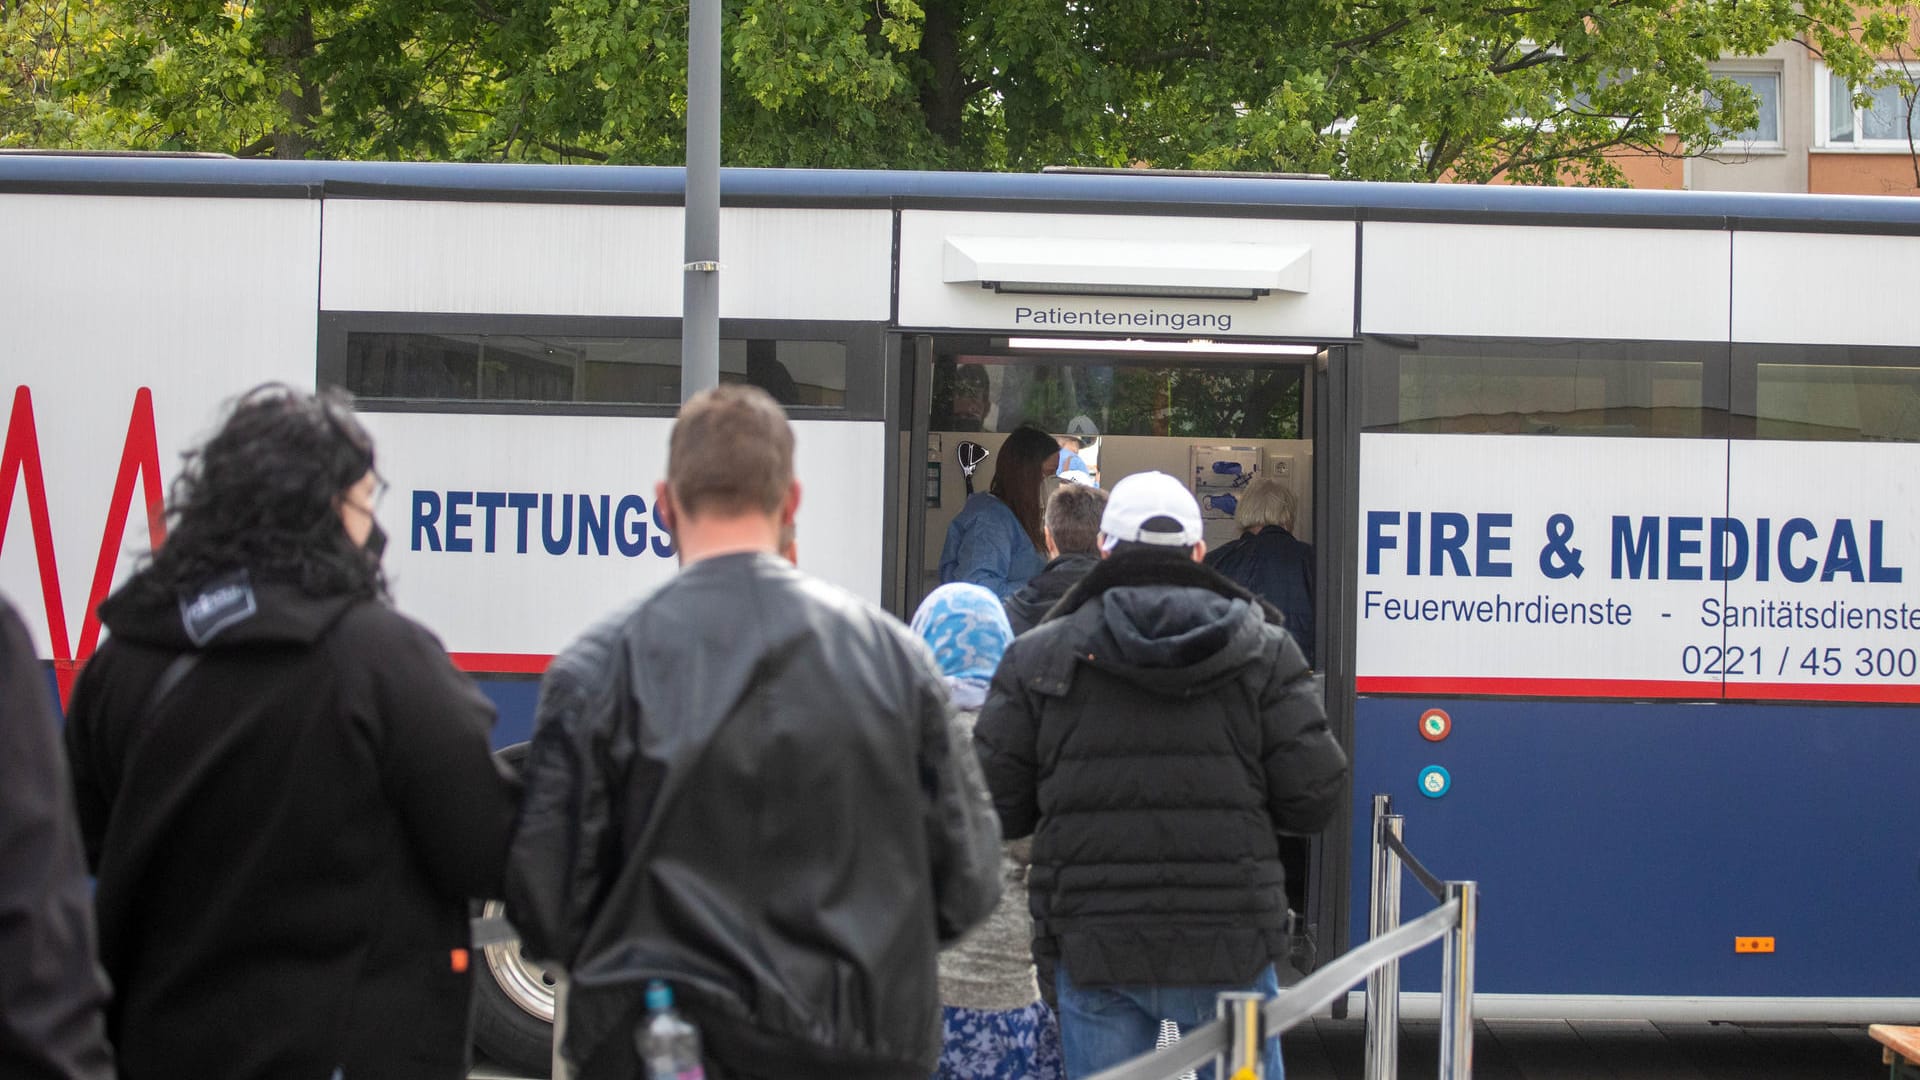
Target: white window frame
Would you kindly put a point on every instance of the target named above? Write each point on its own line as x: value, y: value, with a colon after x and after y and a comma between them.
x: 1823, y: 114
x: 1758, y: 146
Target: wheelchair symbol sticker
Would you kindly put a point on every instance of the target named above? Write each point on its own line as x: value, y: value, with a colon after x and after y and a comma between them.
x: 1435, y: 725
x: 1434, y: 781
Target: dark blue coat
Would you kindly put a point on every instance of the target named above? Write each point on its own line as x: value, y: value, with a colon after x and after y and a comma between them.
x: 1277, y: 568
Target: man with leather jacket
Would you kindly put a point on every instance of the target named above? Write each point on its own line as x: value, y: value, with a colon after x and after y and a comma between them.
x: 1155, y: 735
x: 759, y: 797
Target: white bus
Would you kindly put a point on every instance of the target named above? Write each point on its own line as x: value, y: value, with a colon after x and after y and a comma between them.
x: 1612, y: 493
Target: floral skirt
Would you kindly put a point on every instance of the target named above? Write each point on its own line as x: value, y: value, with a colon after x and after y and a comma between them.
x: 1012, y: 1044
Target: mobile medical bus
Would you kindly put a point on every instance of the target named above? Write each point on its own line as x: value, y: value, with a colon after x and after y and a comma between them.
x: 1613, y: 494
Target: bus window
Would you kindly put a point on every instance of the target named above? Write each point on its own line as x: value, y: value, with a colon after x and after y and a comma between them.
x: 1454, y: 387
x: 1210, y: 400
x: 556, y: 368
x: 1836, y: 402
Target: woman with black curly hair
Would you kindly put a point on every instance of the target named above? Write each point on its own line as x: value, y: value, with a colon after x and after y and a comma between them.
x: 284, y: 786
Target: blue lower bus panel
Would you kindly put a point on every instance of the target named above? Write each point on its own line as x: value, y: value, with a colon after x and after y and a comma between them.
x: 1622, y: 848
x: 514, y: 698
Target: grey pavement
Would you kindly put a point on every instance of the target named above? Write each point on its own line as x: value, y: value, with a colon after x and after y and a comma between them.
x: 1328, y: 1049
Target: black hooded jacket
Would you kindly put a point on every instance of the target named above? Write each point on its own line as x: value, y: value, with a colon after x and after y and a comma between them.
x: 286, y: 843
x: 1028, y: 606
x: 750, y: 786
x: 1154, y: 735
x: 52, y: 994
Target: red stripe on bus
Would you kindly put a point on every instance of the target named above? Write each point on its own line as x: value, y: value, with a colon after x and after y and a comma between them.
x: 1589, y: 688
x: 498, y: 663
x: 1824, y: 692
x: 1639, y: 688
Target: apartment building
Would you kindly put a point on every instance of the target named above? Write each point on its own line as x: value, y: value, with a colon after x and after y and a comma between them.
x: 1809, y: 136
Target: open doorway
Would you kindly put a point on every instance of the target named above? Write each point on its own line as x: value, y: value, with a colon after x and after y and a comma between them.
x: 1217, y: 415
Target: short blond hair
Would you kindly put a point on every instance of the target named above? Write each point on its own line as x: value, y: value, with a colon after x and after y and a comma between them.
x: 1265, y: 502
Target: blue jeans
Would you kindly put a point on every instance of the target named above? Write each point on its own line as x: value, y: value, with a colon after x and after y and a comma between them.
x: 1102, y: 1026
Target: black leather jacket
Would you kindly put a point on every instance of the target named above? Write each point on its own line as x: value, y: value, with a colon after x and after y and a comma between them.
x: 751, y: 786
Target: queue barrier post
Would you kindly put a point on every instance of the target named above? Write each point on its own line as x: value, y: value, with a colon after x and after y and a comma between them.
x: 1456, y: 989
x: 1383, y: 985
x: 1246, y: 1036
x: 1247, y: 1021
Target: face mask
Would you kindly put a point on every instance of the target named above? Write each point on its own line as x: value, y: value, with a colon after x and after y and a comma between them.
x: 376, y: 542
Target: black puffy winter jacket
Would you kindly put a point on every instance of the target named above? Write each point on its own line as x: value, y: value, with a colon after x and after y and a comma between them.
x: 1155, y: 734
x: 750, y: 786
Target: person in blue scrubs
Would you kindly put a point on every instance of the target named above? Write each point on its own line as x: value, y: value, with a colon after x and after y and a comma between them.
x: 996, y: 540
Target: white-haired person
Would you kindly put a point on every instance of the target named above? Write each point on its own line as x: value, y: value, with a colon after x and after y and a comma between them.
x: 1268, y: 560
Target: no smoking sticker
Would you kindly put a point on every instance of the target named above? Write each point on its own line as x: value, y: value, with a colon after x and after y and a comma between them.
x: 1435, y: 725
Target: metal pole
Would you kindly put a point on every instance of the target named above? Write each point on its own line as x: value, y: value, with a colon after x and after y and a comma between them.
x: 1383, y: 986
x: 700, y: 307
x: 1246, y: 1040
x: 1456, y: 987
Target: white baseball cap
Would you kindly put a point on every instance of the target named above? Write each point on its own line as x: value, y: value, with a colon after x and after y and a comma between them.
x: 1150, y: 497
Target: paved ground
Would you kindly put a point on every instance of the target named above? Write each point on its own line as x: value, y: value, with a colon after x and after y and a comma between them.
x: 1582, y: 1050
x: 1598, y: 1050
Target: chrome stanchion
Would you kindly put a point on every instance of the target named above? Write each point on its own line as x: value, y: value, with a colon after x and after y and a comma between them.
x: 1383, y: 986
x: 1456, y: 988
x: 1246, y: 1038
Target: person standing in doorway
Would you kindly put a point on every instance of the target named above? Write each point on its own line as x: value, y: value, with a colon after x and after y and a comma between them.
x: 1155, y: 735
x: 996, y: 540
x: 1267, y: 560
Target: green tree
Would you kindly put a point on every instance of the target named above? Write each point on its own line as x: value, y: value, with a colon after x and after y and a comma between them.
x: 1538, y: 90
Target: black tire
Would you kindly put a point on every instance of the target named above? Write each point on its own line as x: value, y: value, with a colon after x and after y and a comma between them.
x: 513, y: 996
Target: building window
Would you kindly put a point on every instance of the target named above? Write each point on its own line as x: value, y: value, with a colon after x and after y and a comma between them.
x: 1885, y: 122
x: 1765, y: 87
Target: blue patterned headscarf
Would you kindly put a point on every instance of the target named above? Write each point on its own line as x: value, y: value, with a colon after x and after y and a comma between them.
x: 968, y: 631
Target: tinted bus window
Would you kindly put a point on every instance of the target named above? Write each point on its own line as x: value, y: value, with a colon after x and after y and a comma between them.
x: 1520, y: 389
x: 1837, y: 402
x: 1198, y: 400
x: 520, y: 368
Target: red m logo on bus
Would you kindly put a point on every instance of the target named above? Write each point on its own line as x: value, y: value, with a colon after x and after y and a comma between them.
x: 20, y: 459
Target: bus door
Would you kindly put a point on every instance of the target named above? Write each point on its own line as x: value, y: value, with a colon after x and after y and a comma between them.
x: 1221, y: 416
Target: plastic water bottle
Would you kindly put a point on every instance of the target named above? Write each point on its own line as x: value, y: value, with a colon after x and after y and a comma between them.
x: 669, y: 1045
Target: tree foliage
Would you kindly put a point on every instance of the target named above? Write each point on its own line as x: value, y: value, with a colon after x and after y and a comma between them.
x: 1531, y: 90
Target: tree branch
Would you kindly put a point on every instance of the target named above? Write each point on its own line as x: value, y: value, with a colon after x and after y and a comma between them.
x: 1383, y: 33
x: 1185, y: 52
x: 1532, y: 59
x: 572, y: 151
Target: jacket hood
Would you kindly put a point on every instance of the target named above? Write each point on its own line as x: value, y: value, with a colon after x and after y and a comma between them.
x: 1167, y: 624
x: 230, y: 611
x: 1045, y: 589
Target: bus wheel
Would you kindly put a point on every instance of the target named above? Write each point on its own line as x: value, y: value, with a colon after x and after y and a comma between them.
x: 513, y: 1016
x: 513, y: 996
